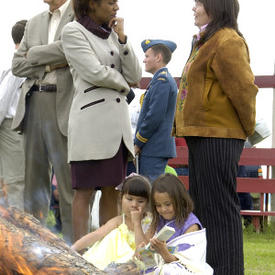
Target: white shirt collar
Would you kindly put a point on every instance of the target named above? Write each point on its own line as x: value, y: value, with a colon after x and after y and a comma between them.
x: 62, y: 8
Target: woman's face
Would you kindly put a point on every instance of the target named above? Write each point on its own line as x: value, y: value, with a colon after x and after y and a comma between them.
x: 103, y: 11
x: 164, y: 205
x: 200, y: 15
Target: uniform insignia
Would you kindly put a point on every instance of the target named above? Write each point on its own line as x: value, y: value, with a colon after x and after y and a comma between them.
x: 164, y: 72
x: 161, y: 78
x: 141, y: 99
x: 141, y: 138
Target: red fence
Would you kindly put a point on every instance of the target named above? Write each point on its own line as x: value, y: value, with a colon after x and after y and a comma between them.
x: 262, y: 81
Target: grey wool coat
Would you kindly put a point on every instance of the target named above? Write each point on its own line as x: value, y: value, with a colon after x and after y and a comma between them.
x: 99, y: 116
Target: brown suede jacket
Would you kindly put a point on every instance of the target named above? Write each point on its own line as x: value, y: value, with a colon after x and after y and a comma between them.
x: 221, y: 98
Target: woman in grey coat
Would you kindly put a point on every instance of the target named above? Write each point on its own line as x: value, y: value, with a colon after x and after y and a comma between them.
x: 104, y: 67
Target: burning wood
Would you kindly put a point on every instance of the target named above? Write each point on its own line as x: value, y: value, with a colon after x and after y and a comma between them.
x: 28, y: 248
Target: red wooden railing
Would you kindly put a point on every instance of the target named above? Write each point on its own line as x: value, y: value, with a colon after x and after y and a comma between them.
x: 262, y: 81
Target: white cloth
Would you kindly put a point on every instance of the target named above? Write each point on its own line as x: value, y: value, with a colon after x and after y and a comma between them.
x: 9, y: 94
x: 190, y: 249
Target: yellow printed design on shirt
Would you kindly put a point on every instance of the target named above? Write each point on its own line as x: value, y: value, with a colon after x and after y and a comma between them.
x: 140, y: 138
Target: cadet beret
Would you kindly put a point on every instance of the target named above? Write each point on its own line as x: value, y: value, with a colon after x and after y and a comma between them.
x: 148, y: 43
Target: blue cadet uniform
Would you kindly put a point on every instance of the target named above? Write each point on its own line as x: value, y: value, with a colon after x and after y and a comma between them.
x: 154, y: 127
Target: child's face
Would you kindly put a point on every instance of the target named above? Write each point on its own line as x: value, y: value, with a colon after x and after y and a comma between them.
x: 133, y: 203
x: 164, y: 205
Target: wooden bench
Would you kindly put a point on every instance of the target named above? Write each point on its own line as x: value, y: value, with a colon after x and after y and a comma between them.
x: 250, y: 156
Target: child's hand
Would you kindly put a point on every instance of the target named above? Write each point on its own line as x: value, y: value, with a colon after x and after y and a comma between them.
x: 159, y: 246
x: 136, y: 215
x: 137, y: 254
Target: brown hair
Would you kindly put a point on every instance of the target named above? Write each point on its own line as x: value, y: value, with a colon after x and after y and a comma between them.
x: 82, y: 7
x: 164, y: 51
x: 17, y: 31
x: 223, y: 13
x: 182, y: 202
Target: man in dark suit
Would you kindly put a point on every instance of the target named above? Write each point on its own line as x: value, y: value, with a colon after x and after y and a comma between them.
x: 43, y: 109
x: 153, y: 141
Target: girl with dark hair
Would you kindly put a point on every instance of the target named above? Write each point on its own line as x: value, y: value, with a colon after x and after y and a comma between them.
x: 115, y: 241
x: 215, y: 112
x: 104, y: 67
x: 184, y: 252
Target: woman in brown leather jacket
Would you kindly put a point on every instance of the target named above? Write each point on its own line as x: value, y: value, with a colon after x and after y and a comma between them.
x: 215, y: 113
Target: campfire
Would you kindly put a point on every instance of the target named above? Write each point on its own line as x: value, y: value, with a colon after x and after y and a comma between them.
x: 27, y: 248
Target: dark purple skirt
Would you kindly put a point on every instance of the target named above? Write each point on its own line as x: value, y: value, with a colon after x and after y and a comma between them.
x: 91, y: 174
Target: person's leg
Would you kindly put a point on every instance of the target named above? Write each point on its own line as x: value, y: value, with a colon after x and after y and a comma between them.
x: 13, y: 164
x: 37, y: 167
x: 213, y: 189
x: 56, y: 145
x: 81, y: 212
x: 108, y: 205
x: 246, y: 203
x: 131, y: 168
x: 152, y: 167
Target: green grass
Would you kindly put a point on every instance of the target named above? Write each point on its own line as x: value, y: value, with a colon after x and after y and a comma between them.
x: 259, y: 251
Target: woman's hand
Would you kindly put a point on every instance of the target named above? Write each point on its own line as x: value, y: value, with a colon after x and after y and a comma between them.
x: 117, y: 24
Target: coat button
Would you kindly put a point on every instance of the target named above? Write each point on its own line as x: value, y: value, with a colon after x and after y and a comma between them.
x: 118, y: 100
x: 113, y: 65
x: 112, y: 53
x: 125, y: 52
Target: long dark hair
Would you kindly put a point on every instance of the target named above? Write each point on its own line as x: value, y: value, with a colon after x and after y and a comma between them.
x: 223, y: 13
x: 82, y: 8
x: 182, y: 202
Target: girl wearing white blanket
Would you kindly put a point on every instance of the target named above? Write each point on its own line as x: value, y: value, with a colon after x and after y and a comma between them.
x: 184, y: 252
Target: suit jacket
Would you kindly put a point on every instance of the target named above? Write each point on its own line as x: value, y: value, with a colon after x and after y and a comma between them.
x: 31, y: 59
x: 101, y: 69
x: 154, y: 127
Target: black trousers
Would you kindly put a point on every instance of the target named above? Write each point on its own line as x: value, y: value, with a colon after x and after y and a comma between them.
x: 213, y: 167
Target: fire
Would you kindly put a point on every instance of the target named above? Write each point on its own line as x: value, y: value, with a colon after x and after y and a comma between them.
x: 28, y: 248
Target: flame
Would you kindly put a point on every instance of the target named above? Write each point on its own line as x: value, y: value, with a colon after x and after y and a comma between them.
x: 28, y: 248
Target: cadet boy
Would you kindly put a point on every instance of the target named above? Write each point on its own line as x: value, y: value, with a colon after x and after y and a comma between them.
x: 153, y: 141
